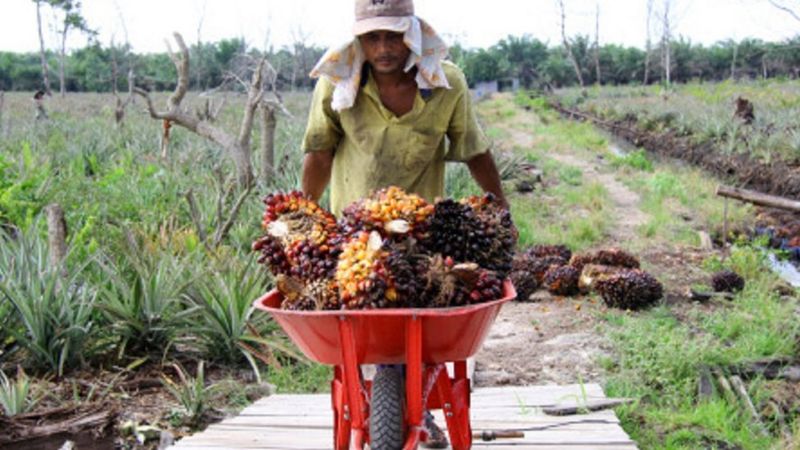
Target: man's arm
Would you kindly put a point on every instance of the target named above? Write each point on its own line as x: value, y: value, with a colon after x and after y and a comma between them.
x: 317, y: 172
x: 485, y: 173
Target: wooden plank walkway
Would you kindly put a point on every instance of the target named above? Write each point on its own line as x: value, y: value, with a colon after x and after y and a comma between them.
x: 294, y: 422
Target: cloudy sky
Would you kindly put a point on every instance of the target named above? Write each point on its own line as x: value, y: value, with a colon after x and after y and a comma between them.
x: 326, y: 22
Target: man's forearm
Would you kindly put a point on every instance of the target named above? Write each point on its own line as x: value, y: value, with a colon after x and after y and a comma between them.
x: 485, y: 173
x: 317, y: 173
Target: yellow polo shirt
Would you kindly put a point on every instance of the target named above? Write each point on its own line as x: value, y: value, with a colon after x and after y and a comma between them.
x: 374, y: 149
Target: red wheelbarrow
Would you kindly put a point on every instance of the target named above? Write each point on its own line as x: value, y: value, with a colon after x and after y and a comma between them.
x: 384, y: 413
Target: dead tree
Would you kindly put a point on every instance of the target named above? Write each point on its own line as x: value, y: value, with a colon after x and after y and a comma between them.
x: 2, y: 105
x: 219, y: 225
x: 38, y: 101
x: 568, y: 47
x: 648, y: 44
x: 42, y: 54
x: 120, y: 105
x: 666, y: 40
x: 781, y: 4
x: 597, y: 45
x: 238, y: 147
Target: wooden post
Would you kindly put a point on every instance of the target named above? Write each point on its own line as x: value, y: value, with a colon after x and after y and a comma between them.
x: 56, y: 234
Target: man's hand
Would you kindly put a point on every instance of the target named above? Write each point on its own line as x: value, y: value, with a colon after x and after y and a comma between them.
x: 485, y: 173
x: 317, y: 173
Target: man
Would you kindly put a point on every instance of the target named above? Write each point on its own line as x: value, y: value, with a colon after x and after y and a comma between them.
x: 381, y: 113
x: 382, y: 110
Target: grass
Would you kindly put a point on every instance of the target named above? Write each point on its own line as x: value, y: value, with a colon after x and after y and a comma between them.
x: 658, y: 353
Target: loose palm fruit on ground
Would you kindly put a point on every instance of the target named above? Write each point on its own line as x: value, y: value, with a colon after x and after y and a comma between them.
x: 629, y: 289
x: 562, y: 280
x: 541, y: 250
x: 391, y: 211
x: 727, y: 281
x: 499, y: 228
x: 525, y: 284
x: 456, y: 232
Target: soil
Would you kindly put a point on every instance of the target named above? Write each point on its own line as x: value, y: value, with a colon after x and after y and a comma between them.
x: 555, y: 340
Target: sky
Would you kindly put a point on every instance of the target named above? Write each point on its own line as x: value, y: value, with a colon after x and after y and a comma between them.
x: 264, y: 23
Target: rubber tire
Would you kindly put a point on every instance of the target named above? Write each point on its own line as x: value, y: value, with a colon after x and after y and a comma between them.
x: 386, y: 419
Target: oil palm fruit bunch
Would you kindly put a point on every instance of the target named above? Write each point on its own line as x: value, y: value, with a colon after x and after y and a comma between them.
x: 562, y: 280
x: 298, y: 296
x: 629, y: 289
x: 539, y: 266
x: 373, y: 273
x: 525, y: 282
x: 590, y: 274
x: 447, y: 283
x: 390, y: 211
x: 301, y: 238
x: 614, y: 257
x: 727, y: 281
x: 498, y: 228
x: 456, y: 232
x: 542, y: 250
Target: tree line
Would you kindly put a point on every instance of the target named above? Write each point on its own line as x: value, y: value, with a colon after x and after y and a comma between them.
x: 99, y: 68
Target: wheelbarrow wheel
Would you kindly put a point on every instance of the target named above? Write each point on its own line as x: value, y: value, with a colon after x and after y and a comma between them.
x: 386, y: 423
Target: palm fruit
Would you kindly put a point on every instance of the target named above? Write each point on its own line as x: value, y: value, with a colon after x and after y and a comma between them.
x: 301, y: 238
x: 447, y: 283
x: 272, y: 255
x: 298, y: 296
x: 525, y: 282
x: 590, y: 274
x: 629, y: 289
x: 499, y: 229
x: 391, y: 211
x: 562, y: 280
x: 727, y: 281
x: 539, y: 266
x: 607, y: 257
x: 541, y: 250
x: 456, y: 232
x: 373, y: 273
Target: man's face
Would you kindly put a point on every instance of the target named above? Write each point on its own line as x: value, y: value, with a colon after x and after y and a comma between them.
x: 385, y: 51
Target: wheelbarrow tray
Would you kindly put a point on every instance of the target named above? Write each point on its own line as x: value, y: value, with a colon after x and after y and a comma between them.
x: 448, y: 334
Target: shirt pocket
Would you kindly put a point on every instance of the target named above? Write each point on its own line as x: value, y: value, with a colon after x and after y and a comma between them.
x: 423, y: 149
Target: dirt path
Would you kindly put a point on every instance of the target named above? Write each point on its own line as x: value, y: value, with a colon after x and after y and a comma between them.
x: 556, y: 340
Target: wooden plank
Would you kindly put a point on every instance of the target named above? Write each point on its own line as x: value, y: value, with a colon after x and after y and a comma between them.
x: 293, y: 422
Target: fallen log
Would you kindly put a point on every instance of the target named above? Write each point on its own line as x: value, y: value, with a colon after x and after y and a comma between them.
x: 20, y: 431
x: 771, y: 369
x: 757, y: 198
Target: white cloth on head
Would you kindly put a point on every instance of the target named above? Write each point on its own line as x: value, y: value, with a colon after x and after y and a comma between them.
x: 342, y: 65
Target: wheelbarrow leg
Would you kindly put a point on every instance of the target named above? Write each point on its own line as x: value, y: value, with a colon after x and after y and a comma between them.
x: 414, y: 403
x: 341, y: 423
x: 455, y: 397
x: 354, y: 407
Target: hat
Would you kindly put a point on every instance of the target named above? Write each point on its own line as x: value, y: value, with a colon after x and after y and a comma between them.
x: 374, y: 15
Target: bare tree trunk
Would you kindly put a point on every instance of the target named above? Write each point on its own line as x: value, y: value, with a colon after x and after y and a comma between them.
x: 666, y: 40
x: 597, y: 46
x: 648, y: 45
x: 785, y: 9
x: 2, y: 105
x: 239, y: 146
x: 567, y: 47
x: 733, y: 60
x: 45, y: 68
x: 268, y: 126
x: 56, y: 234
x: 61, y: 77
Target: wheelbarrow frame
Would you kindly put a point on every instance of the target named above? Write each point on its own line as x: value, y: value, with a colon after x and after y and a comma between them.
x: 421, y: 339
